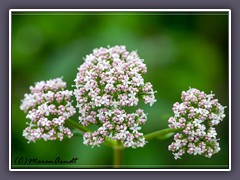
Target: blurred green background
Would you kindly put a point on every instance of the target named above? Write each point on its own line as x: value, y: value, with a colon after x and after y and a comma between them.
x: 181, y: 50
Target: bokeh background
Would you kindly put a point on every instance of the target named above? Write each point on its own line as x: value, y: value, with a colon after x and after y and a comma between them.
x: 181, y: 50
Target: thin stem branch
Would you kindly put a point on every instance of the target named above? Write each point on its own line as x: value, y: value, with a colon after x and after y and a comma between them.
x: 160, y: 133
x: 83, y: 129
x: 77, y: 125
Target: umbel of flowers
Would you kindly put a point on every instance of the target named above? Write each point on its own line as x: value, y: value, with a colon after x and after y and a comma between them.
x: 107, y: 83
x: 109, y: 80
x: 196, y: 117
x: 48, y: 106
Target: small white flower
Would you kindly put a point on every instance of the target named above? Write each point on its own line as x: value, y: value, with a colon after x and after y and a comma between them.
x: 176, y: 124
x: 135, y: 128
x: 197, y: 150
x: 109, y: 113
x: 177, y: 156
x: 45, y: 136
x: 178, y: 144
x: 204, y: 112
x: 37, y: 133
x: 111, y: 81
x: 121, y: 116
x: 212, y: 133
x: 197, y: 122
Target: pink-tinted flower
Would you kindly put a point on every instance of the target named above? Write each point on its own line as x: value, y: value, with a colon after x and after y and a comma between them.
x: 196, y: 118
x: 47, y: 106
x: 109, y: 80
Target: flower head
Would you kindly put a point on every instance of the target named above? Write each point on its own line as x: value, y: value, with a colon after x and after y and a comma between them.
x: 47, y: 107
x: 196, y: 116
x: 109, y: 80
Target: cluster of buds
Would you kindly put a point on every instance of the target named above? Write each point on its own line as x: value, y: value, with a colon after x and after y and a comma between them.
x: 196, y: 118
x: 109, y: 80
x: 48, y: 106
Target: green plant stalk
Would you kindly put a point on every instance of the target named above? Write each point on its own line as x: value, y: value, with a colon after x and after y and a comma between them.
x: 117, y: 146
x: 117, y: 155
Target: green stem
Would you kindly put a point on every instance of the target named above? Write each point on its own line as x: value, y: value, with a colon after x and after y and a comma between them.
x: 117, y: 155
x: 162, y: 132
x: 77, y: 125
x: 117, y: 146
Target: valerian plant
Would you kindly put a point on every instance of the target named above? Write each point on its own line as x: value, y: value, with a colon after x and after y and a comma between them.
x: 109, y: 80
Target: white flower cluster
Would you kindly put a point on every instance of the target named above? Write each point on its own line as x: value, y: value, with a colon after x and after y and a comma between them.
x: 47, y: 106
x: 109, y: 80
x: 197, y: 117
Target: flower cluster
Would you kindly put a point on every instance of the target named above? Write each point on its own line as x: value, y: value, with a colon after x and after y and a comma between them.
x: 109, y: 80
x: 196, y: 116
x: 47, y: 106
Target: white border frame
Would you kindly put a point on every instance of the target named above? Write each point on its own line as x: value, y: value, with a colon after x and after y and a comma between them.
x: 119, y: 10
